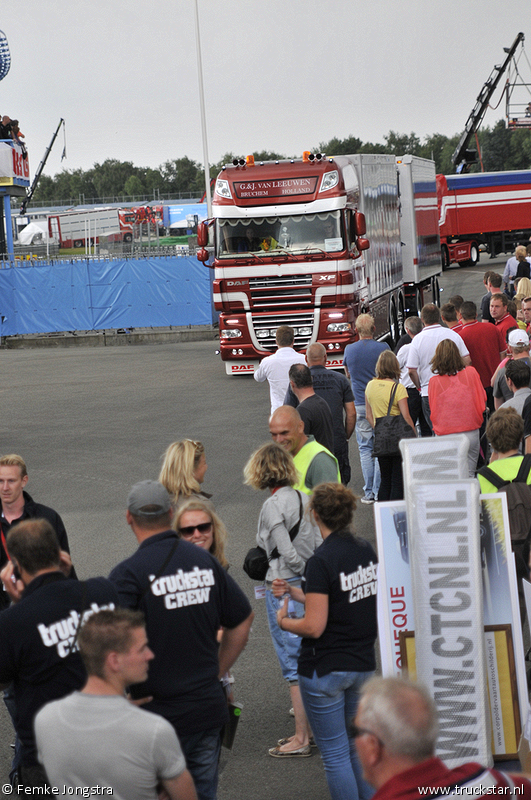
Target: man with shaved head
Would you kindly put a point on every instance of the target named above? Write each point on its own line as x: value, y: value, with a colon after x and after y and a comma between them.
x: 336, y: 390
x: 315, y: 464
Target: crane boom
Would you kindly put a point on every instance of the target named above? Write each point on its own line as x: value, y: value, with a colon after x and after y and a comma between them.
x: 40, y: 168
x: 459, y: 157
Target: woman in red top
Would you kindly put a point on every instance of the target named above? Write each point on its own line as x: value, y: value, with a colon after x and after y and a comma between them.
x: 457, y: 398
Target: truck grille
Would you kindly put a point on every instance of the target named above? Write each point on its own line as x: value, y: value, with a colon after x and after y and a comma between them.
x: 285, y: 292
x: 271, y: 322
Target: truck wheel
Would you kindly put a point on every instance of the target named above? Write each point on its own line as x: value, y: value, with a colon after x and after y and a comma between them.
x: 445, y: 257
x: 474, y: 255
x: 128, y: 237
x: 394, y: 334
x: 436, y: 292
x: 78, y: 243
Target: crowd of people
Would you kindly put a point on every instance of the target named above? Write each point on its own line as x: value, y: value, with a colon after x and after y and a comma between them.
x: 169, y: 622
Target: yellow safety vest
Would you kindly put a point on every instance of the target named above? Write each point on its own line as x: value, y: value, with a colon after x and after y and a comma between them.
x: 304, y: 458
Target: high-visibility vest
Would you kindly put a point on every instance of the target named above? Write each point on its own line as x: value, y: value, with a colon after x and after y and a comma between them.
x: 304, y: 458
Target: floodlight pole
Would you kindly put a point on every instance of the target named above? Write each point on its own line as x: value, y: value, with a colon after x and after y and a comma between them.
x: 203, y: 116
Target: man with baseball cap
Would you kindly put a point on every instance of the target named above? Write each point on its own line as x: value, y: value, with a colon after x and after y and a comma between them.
x: 186, y: 597
x: 517, y: 347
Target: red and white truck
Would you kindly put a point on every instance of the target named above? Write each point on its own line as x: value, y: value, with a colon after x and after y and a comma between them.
x: 314, y: 242
x: 484, y: 208
x: 78, y: 228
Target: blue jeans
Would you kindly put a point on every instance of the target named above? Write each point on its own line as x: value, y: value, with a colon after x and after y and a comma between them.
x: 201, y: 751
x: 330, y: 703
x: 369, y: 465
x: 287, y: 645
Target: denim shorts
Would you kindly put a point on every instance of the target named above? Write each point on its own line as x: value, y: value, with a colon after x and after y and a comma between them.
x: 287, y: 645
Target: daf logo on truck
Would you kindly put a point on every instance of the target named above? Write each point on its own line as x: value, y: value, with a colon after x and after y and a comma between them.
x: 237, y: 283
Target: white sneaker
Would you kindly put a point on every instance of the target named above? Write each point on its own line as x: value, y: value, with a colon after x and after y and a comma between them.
x: 367, y: 500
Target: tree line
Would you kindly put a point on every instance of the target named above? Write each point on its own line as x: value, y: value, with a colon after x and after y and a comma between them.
x: 500, y: 148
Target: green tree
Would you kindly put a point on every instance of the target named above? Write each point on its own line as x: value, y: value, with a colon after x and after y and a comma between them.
x: 182, y: 175
x: 133, y: 186
x: 340, y: 147
x: 402, y: 143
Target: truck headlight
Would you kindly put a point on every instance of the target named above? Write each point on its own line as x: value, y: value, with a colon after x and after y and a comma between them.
x: 230, y: 333
x: 338, y: 327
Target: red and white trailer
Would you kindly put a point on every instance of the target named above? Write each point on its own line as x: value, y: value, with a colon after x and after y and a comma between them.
x: 79, y: 228
x: 485, y: 208
x: 312, y: 243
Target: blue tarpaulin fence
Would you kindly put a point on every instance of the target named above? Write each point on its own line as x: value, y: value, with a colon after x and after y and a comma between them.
x: 92, y: 295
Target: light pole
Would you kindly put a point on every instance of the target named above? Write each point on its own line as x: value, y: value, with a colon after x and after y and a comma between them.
x: 203, y: 116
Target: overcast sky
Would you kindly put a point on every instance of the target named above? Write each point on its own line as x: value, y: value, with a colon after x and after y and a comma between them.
x: 279, y: 75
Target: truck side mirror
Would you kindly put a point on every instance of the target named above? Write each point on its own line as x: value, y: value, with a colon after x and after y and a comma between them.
x: 361, y: 227
x: 202, y: 235
x: 202, y: 255
x: 362, y: 244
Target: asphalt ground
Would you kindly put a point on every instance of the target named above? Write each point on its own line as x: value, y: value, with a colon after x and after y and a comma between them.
x: 91, y: 422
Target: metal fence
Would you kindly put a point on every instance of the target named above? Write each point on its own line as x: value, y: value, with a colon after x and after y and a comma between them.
x: 125, y: 199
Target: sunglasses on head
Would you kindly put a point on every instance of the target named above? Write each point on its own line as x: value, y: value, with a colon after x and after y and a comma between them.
x: 203, y: 527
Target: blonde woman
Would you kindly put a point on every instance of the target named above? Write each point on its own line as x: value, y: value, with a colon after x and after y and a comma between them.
x: 183, y: 471
x: 198, y: 523
x: 272, y: 467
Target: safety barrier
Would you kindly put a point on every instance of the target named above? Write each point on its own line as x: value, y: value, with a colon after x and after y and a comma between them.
x: 94, y: 295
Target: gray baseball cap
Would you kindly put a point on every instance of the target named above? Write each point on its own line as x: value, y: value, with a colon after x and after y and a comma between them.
x: 148, y: 494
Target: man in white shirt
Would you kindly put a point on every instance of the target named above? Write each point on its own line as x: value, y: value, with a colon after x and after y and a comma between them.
x: 423, y: 349
x: 96, y: 736
x: 275, y: 368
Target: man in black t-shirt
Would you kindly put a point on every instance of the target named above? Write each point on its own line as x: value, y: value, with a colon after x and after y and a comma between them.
x: 38, y: 651
x: 16, y: 505
x: 335, y: 389
x: 186, y: 597
x: 313, y: 410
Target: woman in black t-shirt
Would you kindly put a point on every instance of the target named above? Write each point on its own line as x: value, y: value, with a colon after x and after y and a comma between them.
x: 339, y: 631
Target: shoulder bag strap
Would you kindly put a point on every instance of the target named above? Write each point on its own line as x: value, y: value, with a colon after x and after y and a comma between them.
x: 293, y: 531
x: 392, y: 398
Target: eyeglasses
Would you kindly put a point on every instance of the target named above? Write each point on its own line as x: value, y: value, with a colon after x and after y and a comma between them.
x: 355, y: 732
x: 203, y: 527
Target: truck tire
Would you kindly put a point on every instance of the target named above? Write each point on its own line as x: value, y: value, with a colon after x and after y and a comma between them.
x: 394, y: 334
x: 474, y: 255
x: 436, y: 292
x: 78, y: 242
x: 128, y: 237
x: 445, y: 257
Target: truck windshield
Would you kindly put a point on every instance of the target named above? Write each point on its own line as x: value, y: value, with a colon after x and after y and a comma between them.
x: 297, y: 235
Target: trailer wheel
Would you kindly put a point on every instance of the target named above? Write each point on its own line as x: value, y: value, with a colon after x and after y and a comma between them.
x: 445, y: 257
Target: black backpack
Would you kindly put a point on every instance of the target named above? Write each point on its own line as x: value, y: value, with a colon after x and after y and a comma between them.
x: 519, y: 507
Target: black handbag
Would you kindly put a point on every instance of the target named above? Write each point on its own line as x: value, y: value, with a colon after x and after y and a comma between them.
x: 389, y: 430
x: 256, y: 561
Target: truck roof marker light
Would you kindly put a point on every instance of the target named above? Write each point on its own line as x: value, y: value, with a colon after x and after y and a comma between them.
x: 306, y: 156
x: 250, y: 161
x: 238, y: 162
x: 329, y: 180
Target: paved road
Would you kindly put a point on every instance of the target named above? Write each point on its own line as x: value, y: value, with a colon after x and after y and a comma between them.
x: 91, y: 422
